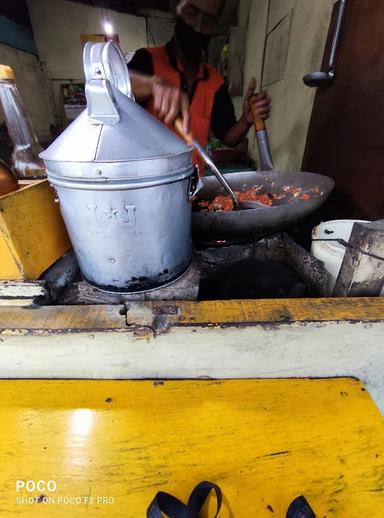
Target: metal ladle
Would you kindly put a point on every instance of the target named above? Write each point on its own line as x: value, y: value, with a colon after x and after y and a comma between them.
x: 238, y: 205
x: 316, y: 79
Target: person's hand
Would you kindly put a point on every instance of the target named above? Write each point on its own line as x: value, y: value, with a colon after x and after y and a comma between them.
x: 170, y: 102
x: 260, y: 102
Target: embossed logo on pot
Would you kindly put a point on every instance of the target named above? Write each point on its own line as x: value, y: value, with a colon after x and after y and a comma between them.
x: 124, y: 216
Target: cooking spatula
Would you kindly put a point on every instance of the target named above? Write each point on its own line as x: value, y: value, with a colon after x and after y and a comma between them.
x: 266, y: 162
x: 238, y: 205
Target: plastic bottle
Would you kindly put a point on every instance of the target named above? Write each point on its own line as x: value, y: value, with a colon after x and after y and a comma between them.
x: 25, y: 157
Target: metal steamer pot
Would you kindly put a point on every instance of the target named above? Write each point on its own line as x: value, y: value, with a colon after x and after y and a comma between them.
x: 124, y: 184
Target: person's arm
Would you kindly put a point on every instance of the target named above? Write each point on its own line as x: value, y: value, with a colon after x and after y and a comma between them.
x: 169, y: 102
x: 141, y: 71
x: 141, y: 86
x: 224, y: 123
x: 238, y: 131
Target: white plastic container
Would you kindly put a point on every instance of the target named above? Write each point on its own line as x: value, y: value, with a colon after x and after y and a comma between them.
x: 331, y: 252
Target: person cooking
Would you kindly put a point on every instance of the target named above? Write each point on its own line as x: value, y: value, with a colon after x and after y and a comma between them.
x: 174, y: 80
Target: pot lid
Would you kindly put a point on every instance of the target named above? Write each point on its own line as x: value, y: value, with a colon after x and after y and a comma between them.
x: 114, y: 132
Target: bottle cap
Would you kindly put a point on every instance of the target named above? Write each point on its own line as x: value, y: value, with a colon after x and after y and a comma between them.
x: 6, y: 72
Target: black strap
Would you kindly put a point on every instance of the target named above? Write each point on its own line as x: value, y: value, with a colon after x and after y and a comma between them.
x: 173, y: 508
x: 198, y: 497
x: 300, y: 508
x: 167, y: 504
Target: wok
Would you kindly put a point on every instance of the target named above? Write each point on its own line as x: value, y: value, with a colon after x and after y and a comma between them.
x: 233, y: 226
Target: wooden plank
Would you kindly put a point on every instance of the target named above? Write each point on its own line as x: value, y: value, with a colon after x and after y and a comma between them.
x: 362, y: 269
x: 184, y: 313
x: 284, y: 310
x: 21, y: 289
x: 310, y: 269
x: 51, y: 318
x: 21, y: 293
x: 264, y: 442
x: 205, y: 340
x: 293, y: 350
x: 17, y: 302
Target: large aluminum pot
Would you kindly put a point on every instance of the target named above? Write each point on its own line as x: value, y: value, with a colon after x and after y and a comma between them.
x: 127, y: 237
x: 124, y: 184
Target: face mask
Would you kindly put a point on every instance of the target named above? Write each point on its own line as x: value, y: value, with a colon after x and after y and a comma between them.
x: 192, y: 43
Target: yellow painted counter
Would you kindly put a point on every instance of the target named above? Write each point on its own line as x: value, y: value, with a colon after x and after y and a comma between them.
x: 263, y: 441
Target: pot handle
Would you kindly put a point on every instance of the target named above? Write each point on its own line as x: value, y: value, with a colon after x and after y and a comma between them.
x: 104, y: 65
x: 194, y: 182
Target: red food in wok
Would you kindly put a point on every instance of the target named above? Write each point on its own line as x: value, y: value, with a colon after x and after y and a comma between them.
x: 223, y: 202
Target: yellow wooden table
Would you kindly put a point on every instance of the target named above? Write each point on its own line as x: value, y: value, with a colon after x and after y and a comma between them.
x: 104, y: 448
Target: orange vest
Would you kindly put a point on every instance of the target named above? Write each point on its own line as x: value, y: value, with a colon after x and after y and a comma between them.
x: 200, y: 108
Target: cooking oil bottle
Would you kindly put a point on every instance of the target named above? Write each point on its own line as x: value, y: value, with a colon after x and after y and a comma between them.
x: 25, y: 156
